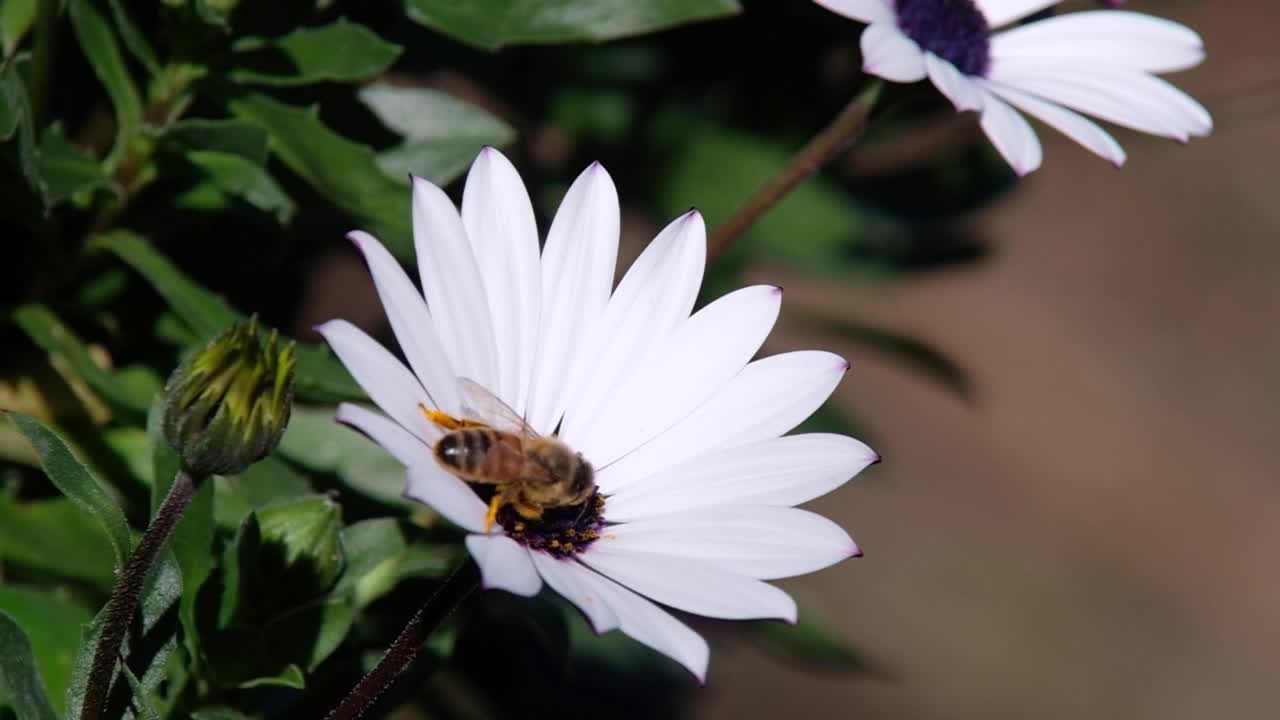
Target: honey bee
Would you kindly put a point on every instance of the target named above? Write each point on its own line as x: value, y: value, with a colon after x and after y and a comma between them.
x: 492, y: 445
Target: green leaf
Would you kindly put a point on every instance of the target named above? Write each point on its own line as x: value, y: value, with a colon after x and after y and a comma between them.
x: 225, y: 136
x: 16, y: 118
x: 53, y: 626
x: 76, y: 482
x: 317, y: 442
x: 290, y: 677
x: 66, y: 168
x: 16, y: 17
x: 318, y: 376
x: 240, y: 177
x: 207, y: 313
x: 55, y: 536
x: 809, y: 642
x: 147, y: 648
x: 140, y: 703
x: 134, y: 38
x: 341, y: 51
x: 307, y: 533
x: 193, y: 537
x: 20, y: 686
x: 99, y: 45
x: 442, y: 133
x: 270, y: 616
x: 344, y: 172
x: 128, y: 444
x: 265, y: 482
x: 46, y: 330
x: 218, y: 713
x: 376, y: 554
x: 490, y: 24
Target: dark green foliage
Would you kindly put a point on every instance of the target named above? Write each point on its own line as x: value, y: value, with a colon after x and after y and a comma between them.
x: 172, y: 168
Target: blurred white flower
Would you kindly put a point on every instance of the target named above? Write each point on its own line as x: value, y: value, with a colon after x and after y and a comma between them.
x: 695, y: 482
x: 1099, y: 62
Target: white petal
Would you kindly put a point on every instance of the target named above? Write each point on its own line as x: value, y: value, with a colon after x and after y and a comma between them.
x: 432, y: 485
x: 504, y: 565
x: 785, y: 470
x: 656, y: 294
x: 753, y: 540
x: 867, y: 11
x: 649, y: 624
x: 412, y: 324
x: 1011, y: 134
x: 691, y: 585
x: 500, y: 224
x: 703, y: 354
x: 765, y: 400
x: 888, y: 53
x: 577, y: 275
x: 394, y: 439
x: 1076, y: 127
x: 453, y: 285
x: 960, y: 90
x: 1003, y: 12
x: 1113, y: 37
x: 565, y: 577
x: 387, y: 381
x: 1128, y: 98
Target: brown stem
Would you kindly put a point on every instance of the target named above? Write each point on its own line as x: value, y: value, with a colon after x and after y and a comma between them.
x: 834, y: 139
x: 406, y: 646
x: 127, y: 593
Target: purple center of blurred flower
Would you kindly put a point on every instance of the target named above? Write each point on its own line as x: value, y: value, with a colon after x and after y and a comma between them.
x: 561, y: 532
x: 954, y: 30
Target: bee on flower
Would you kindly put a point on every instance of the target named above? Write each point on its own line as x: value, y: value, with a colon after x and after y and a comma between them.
x: 609, y: 443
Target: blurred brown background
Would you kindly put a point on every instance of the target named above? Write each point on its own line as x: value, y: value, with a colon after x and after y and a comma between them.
x: 1095, y: 533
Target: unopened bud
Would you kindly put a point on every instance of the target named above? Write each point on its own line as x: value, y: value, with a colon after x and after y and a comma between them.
x: 227, y: 405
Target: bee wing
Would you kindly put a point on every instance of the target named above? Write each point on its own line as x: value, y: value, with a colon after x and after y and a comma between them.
x: 480, y: 404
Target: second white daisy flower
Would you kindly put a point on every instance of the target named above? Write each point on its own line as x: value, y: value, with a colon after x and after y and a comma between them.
x: 1101, y: 63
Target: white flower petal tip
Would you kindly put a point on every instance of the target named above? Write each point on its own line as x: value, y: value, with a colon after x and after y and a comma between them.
x: 504, y: 565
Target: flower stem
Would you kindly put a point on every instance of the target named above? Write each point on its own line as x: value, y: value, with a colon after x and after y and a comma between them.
x: 127, y: 593
x: 405, y: 648
x: 824, y: 147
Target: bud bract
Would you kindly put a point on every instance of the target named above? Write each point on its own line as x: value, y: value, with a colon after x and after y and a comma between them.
x: 227, y: 405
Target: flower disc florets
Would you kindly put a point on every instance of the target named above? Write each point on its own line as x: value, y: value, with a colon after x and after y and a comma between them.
x: 227, y: 405
x: 562, y: 531
x: 954, y: 30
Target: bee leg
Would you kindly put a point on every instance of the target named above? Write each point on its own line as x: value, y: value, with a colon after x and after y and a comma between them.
x: 441, y: 419
x: 527, y: 511
x: 495, y: 504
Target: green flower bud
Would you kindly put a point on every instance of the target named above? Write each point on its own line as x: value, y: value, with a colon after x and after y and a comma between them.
x: 227, y: 405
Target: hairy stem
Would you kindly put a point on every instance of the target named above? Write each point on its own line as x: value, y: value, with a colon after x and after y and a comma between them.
x: 824, y: 147
x: 127, y: 593
x: 405, y: 648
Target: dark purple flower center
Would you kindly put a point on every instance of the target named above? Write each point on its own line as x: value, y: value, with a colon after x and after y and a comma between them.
x: 954, y: 30
x: 561, y: 531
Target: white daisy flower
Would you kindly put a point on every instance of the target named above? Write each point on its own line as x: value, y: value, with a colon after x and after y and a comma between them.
x: 1098, y: 62
x: 694, y: 482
